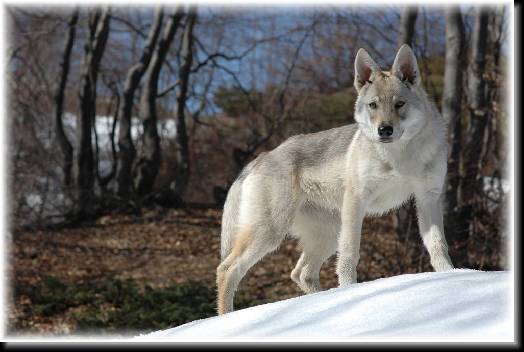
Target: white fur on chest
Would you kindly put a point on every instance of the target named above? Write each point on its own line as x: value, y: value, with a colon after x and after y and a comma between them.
x: 386, y: 192
x: 389, y: 180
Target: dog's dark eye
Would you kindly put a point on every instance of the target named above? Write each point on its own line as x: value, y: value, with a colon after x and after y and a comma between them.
x: 372, y: 105
x: 399, y: 104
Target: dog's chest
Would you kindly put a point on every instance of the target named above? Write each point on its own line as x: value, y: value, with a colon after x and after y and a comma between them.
x: 390, y: 187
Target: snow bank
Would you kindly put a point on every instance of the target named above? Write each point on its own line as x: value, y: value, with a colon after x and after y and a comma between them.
x: 459, y: 305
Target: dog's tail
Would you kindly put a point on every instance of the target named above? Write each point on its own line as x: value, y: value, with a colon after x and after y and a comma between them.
x: 230, y: 219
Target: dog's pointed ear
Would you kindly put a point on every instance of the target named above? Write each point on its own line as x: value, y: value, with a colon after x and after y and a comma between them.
x: 364, y: 68
x: 405, y: 66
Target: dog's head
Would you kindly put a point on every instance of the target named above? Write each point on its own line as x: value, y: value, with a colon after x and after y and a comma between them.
x: 390, y: 105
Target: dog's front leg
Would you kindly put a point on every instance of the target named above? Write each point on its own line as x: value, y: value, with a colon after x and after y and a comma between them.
x: 431, y: 225
x: 352, y: 214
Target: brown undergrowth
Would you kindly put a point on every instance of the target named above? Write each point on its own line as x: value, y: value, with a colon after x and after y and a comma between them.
x: 158, y: 250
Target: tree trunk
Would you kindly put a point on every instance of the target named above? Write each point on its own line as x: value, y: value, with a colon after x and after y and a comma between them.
x: 406, y: 217
x: 148, y: 162
x: 182, y: 151
x: 103, y: 180
x: 478, y: 107
x: 94, y: 48
x: 65, y: 145
x: 127, y: 150
x: 496, y: 39
x: 407, y: 25
x: 451, y: 111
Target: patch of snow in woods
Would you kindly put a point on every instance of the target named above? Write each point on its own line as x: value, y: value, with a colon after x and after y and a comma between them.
x: 48, y: 198
x: 104, y: 124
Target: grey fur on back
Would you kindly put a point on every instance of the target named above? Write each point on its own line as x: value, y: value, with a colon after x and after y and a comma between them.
x: 308, y: 150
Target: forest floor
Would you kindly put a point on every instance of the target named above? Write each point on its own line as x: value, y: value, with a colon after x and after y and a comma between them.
x: 166, y: 247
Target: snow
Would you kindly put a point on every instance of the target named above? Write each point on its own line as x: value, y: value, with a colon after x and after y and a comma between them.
x: 493, y: 184
x: 458, y: 305
x: 495, y: 189
x: 48, y: 201
x: 104, y: 124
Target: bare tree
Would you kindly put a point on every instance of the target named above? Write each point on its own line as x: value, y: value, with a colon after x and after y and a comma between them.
x: 406, y: 218
x: 94, y: 49
x: 65, y: 145
x: 148, y: 163
x: 454, y: 65
x: 407, y: 25
x: 182, y: 151
x: 497, y: 34
x: 478, y: 106
x: 451, y: 111
x: 126, y: 147
x: 103, y: 180
x: 273, y: 109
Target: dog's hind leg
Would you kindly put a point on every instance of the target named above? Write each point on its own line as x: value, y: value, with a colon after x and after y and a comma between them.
x: 251, y: 245
x: 306, y: 272
x: 318, y: 238
x: 265, y: 213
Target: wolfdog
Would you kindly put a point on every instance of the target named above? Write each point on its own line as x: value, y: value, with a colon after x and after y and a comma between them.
x: 318, y: 187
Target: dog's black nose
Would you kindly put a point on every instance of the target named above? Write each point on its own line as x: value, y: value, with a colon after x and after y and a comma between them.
x: 385, y: 130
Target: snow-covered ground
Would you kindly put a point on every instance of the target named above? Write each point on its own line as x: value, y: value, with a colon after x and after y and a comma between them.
x: 459, y: 305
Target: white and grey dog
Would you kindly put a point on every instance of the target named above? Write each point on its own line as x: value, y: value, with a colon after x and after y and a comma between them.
x: 318, y: 187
